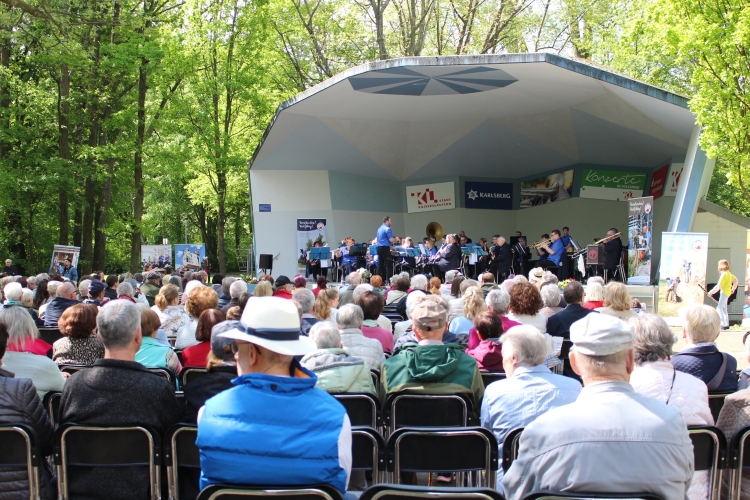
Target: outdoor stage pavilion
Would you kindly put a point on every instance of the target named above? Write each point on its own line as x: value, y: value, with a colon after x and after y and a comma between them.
x: 350, y: 149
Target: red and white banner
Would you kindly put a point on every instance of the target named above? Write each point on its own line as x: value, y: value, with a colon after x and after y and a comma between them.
x: 430, y: 197
x: 674, y: 179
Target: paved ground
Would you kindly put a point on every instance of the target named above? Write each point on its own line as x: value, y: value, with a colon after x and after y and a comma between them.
x: 728, y: 341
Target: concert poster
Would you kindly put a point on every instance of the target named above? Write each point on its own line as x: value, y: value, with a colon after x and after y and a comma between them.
x: 682, y: 271
x: 547, y: 189
x: 640, y: 226
x: 59, y: 254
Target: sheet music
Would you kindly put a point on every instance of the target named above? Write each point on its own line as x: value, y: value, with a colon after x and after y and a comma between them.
x: 472, y: 259
x: 325, y: 262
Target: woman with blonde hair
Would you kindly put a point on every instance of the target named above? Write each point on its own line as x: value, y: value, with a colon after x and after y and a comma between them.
x: 263, y: 289
x: 167, y: 307
x: 594, y: 297
x: 435, y: 286
x: 473, y: 306
x: 617, y: 301
x: 333, y: 302
x: 727, y: 285
x: 322, y: 309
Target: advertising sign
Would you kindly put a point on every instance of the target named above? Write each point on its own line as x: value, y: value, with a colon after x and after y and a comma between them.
x: 682, y: 272
x: 488, y: 195
x: 612, y: 185
x: 640, y: 226
x: 674, y: 179
x: 308, y: 232
x: 658, y: 180
x: 189, y: 256
x: 548, y: 189
x: 156, y: 255
x: 430, y: 197
x: 59, y: 254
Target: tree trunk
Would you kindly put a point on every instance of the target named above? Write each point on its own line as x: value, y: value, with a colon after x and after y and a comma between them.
x: 77, y: 223
x: 105, y: 199
x: 63, y: 112
x: 135, y: 239
x: 222, y: 185
x: 5, y: 46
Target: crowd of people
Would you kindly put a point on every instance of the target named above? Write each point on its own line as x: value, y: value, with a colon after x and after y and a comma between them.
x: 614, y: 420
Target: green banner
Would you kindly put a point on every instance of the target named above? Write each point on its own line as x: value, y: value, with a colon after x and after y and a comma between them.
x: 612, y: 185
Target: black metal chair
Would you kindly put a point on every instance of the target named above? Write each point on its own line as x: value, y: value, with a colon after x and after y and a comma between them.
x: 550, y: 495
x: 368, y: 452
x: 86, y: 447
x: 375, y: 374
x: 73, y: 368
x: 405, y: 492
x: 20, y: 450
x: 189, y: 374
x: 427, y: 410
x: 180, y: 395
x: 426, y: 449
x: 178, y: 352
x: 738, y: 457
x: 166, y: 374
x: 489, y: 377
x: 50, y: 335
x: 181, y: 456
x: 709, y: 451
x: 510, y: 447
x: 716, y: 403
x: 51, y: 403
x: 233, y: 492
x: 363, y: 409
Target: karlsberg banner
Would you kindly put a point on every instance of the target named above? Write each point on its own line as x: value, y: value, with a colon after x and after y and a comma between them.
x: 430, y: 197
x: 612, y: 185
x: 488, y: 195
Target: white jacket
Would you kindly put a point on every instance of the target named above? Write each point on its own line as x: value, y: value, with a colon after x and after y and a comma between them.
x: 359, y: 346
x: 689, y: 395
x: 186, y: 335
x: 539, y: 320
x: 42, y: 371
x: 455, y: 308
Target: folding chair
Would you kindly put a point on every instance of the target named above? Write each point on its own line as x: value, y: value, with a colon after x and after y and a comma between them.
x: 404, y: 492
x: 489, y: 377
x: 427, y: 410
x: 73, y: 368
x: 716, y: 403
x: 189, y: 374
x: 180, y: 452
x: 166, y: 374
x: 510, y: 447
x: 368, y: 452
x: 549, y: 495
x: 737, y: 460
x: 178, y: 352
x: 180, y: 395
x: 234, y: 492
x: 375, y: 374
x: 85, y: 446
x: 424, y: 449
x: 51, y: 403
x: 709, y: 451
x: 50, y: 335
x: 363, y: 409
x: 20, y: 446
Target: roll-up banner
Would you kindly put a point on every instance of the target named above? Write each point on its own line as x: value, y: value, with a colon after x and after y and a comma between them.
x: 308, y: 232
x: 682, y: 270
x: 640, y: 226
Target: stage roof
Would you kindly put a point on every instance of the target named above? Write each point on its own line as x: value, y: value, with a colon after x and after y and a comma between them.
x: 508, y: 116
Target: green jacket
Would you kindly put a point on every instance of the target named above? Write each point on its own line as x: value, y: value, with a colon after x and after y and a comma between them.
x: 338, y: 372
x: 150, y: 290
x: 432, y: 369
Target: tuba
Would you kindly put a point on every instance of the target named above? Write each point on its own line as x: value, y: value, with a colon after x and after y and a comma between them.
x: 434, y: 231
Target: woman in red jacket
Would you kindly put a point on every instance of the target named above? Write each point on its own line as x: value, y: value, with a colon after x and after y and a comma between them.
x: 195, y: 356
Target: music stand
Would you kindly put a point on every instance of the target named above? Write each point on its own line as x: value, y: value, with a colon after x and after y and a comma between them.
x: 413, y: 252
x: 373, y: 250
x: 321, y: 254
x: 514, y: 240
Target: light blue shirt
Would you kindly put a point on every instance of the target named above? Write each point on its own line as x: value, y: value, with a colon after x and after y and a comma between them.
x: 384, y: 236
x: 519, y: 400
x: 460, y: 325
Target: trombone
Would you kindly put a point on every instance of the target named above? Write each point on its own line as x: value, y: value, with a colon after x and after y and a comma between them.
x: 607, y: 238
x: 539, y: 243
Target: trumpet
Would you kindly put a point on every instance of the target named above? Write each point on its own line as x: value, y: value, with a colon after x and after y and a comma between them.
x: 608, y: 238
x: 539, y: 243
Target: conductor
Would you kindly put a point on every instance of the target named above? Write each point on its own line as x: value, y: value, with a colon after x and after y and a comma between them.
x: 385, y: 238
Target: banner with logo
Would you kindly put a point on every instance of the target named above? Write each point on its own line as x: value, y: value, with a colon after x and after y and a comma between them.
x: 612, y: 185
x: 488, y: 195
x: 156, y: 255
x: 308, y: 232
x: 59, y: 254
x: 640, y: 226
x: 189, y: 256
x: 658, y: 180
x: 430, y: 197
x: 674, y: 179
x: 682, y: 271
x: 548, y: 189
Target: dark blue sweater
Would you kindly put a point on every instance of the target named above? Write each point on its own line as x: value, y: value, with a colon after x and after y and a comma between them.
x: 704, y: 362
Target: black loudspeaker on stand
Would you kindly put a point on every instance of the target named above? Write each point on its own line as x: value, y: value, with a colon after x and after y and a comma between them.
x: 266, y: 262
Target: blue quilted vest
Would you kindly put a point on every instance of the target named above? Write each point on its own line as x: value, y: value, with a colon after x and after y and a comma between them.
x: 271, y: 430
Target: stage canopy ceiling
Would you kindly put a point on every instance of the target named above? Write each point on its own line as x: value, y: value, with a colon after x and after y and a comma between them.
x: 503, y: 116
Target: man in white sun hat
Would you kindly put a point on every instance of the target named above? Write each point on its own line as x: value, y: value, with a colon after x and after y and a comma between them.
x: 274, y: 426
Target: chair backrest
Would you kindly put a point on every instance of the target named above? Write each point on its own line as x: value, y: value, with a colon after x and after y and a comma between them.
x: 363, y: 409
x: 738, y: 457
x: 425, y: 449
x: 709, y: 452
x: 716, y: 403
x: 180, y: 451
x: 549, y: 495
x: 565, y: 349
x: 393, y: 316
x: 188, y: 374
x: 489, y: 377
x: 178, y: 352
x: 20, y: 450
x: 85, y: 446
x: 233, y: 492
x: 368, y: 451
x: 166, y: 374
x: 51, y: 403
x: 180, y: 395
x: 50, y: 335
x: 72, y: 368
x: 510, y: 447
x: 375, y: 374
x: 407, y: 492
x: 427, y: 410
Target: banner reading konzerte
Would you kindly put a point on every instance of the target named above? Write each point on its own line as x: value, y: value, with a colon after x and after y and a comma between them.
x: 682, y: 270
x: 548, y: 189
x: 612, y: 185
x: 640, y: 225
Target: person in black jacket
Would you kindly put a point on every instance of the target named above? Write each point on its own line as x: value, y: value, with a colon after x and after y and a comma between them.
x: 612, y: 253
x: 20, y: 404
x: 65, y: 297
x: 449, y: 259
x: 502, y: 258
x: 558, y: 325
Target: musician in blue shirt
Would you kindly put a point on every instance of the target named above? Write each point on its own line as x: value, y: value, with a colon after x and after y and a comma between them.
x: 566, y: 238
x: 385, y: 261
x: 557, y: 249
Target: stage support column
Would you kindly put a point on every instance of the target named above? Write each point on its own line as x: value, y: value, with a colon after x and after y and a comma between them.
x: 693, y: 185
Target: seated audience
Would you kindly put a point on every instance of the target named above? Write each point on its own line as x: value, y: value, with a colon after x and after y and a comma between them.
x: 197, y: 355
x: 216, y: 280
x: 221, y: 369
x: 236, y: 289
x: 336, y: 369
x: 594, y: 295
x: 349, y: 322
x: 655, y: 377
x: 372, y: 305
x: 638, y: 307
x: 224, y: 292
x: 497, y: 302
x: 199, y: 300
x: 117, y: 392
x: 125, y: 291
x: 529, y: 390
x: 65, y: 297
x: 399, y: 293
x: 234, y: 313
x: 263, y: 289
x: 474, y: 305
x: 447, y: 286
x: 323, y: 307
x: 429, y: 366
x: 152, y: 353
x: 617, y: 301
x: 172, y: 315
x: 435, y: 286
x: 14, y: 297
x: 345, y: 294
x: 80, y: 345
x: 112, y: 284
x: 96, y: 293
x: 489, y: 352
x: 488, y: 283
x: 151, y: 285
x: 322, y: 283
x: 306, y: 301
x: 525, y: 304
x: 558, y: 325
x: 456, y: 305
x: 580, y: 447
x: 269, y: 392
x: 284, y: 287
x: 377, y: 284
x: 551, y: 300
x: 21, y: 404
x: 701, y: 358
x: 418, y: 284
x: 400, y: 328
